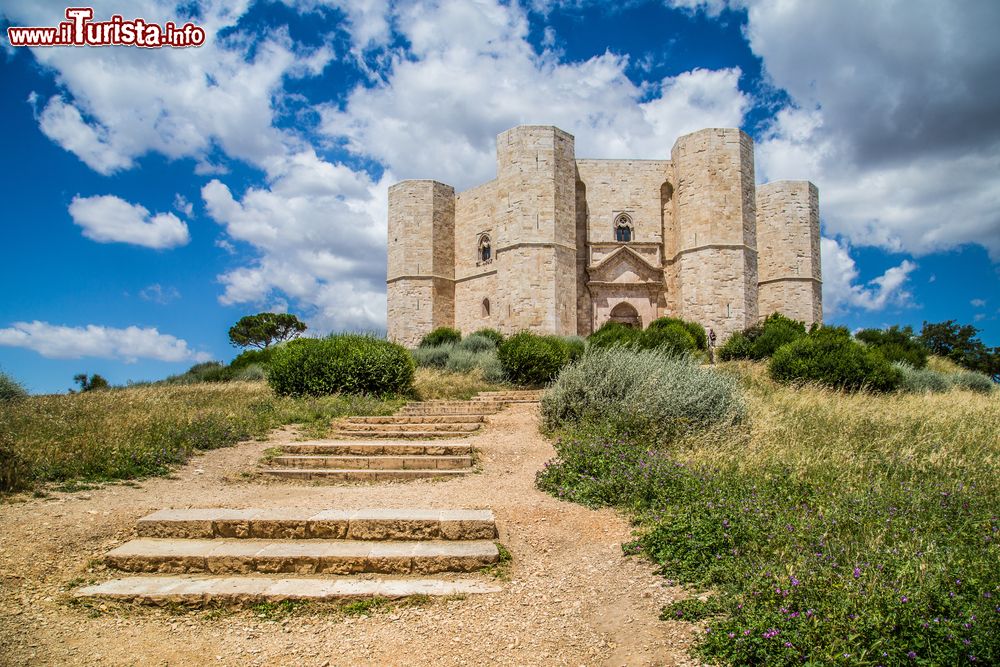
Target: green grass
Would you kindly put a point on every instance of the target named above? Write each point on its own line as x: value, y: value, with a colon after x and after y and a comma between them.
x: 138, y: 432
x: 831, y: 528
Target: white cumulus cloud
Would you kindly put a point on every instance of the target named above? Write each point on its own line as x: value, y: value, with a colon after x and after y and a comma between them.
x: 470, y: 73
x: 842, y: 292
x: 110, y: 219
x: 129, y: 344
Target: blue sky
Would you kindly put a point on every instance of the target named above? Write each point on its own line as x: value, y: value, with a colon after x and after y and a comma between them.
x: 152, y: 197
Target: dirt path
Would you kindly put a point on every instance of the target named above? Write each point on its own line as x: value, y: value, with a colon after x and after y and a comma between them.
x: 572, y: 598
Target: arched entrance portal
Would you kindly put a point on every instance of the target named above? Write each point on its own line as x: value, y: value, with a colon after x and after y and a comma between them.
x: 625, y: 313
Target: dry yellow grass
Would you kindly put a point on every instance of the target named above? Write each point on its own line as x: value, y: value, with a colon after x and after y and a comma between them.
x: 123, y: 433
x: 434, y: 383
x: 853, y: 435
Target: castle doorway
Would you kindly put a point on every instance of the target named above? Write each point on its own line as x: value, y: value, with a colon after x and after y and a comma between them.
x: 625, y: 313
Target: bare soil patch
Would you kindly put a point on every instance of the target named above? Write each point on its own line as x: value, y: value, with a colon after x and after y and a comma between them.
x: 571, y: 598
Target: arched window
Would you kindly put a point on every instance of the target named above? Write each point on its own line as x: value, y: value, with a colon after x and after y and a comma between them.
x: 485, y: 249
x: 486, y: 307
x: 623, y: 228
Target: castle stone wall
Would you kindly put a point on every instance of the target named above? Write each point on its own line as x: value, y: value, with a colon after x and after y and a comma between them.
x: 789, y: 261
x: 421, y: 261
x: 707, y: 245
x: 715, y: 209
x: 536, y: 220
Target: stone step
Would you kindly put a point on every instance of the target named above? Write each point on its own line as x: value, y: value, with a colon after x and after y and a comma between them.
x: 376, y: 448
x: 513, y: 392
x: 373, y: 462
x: 399, y: 435
x: 342, y: 475
x: 241, y: 556
x: 420, y: 419
x: 465, y: 411
x: 188, y: 589
x: 292, y: 523
x: 453, y: 427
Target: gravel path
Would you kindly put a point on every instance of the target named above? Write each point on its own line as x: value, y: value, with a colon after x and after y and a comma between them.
x: 571, y: 597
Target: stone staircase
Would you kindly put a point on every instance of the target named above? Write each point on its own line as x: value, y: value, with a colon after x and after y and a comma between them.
x: 381, y: 449
x: 197, y: 556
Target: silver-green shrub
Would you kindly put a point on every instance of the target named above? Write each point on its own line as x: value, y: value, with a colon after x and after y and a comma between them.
x: 921, y: 380
x: 477, y: 343
x: 649, y: 391
x: 463, y: 361
x: 251, y: 373
x: 972, y: 381
x: 435, y: 356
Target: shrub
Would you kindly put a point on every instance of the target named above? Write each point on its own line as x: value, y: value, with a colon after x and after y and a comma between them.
x: 829, y: 356
x: 921, y: 380
x: 641, y: 391
x: 477, y: 343
x: 253, y: 357
x: 492, y: 334
x: 739, y: 346
x: 351, y: 363
x: 972, y: 381
x: 613, y: 333
x: 576, y: 345
x: 696, y: 330
x: 440, y: 336
x: 530, y: 359
x: 251, y: 373
x: 776, y: 331
x: 462, y: 361
x: 11, y: 389
x: 492, y: 369
x: 762, y: 340
x: 435, y: 356
x: 672, y: 338
x: 896, y: 344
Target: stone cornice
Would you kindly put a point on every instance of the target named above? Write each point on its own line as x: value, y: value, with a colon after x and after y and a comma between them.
x: 426, y: 276
x: 797, y: 279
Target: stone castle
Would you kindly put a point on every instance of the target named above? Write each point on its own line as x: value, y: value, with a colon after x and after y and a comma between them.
x: 556, y: 244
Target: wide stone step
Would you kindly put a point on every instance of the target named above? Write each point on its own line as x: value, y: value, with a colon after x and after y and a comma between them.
x: 469, y: 411
x: 399, y: 435
x: 376, y: 448
x: 240, y: 556
x: 373, y: 462
x: 507, y: 394
x: 343, y: 475
x: 293, y: 523
x: 420, y: 419
x: 194, y: 589
x: 460, y: 427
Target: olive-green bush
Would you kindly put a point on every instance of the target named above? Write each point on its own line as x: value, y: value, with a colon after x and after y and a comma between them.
x: 348, y: 363
x: 896, y: 344
x: 762, y: 340
x: 531, y: 360
x: 11, y: 389
x: 613, y: 333
x: 831, y: 357
x: 696, y: 330
x: 440, y: 336
x: 672, y: 338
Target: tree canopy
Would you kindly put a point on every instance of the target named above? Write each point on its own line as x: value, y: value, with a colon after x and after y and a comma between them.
x: 264, y: 329
x: 961, y: 344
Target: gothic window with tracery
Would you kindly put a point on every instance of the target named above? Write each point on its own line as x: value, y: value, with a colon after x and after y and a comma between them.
x: 623, y: 228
